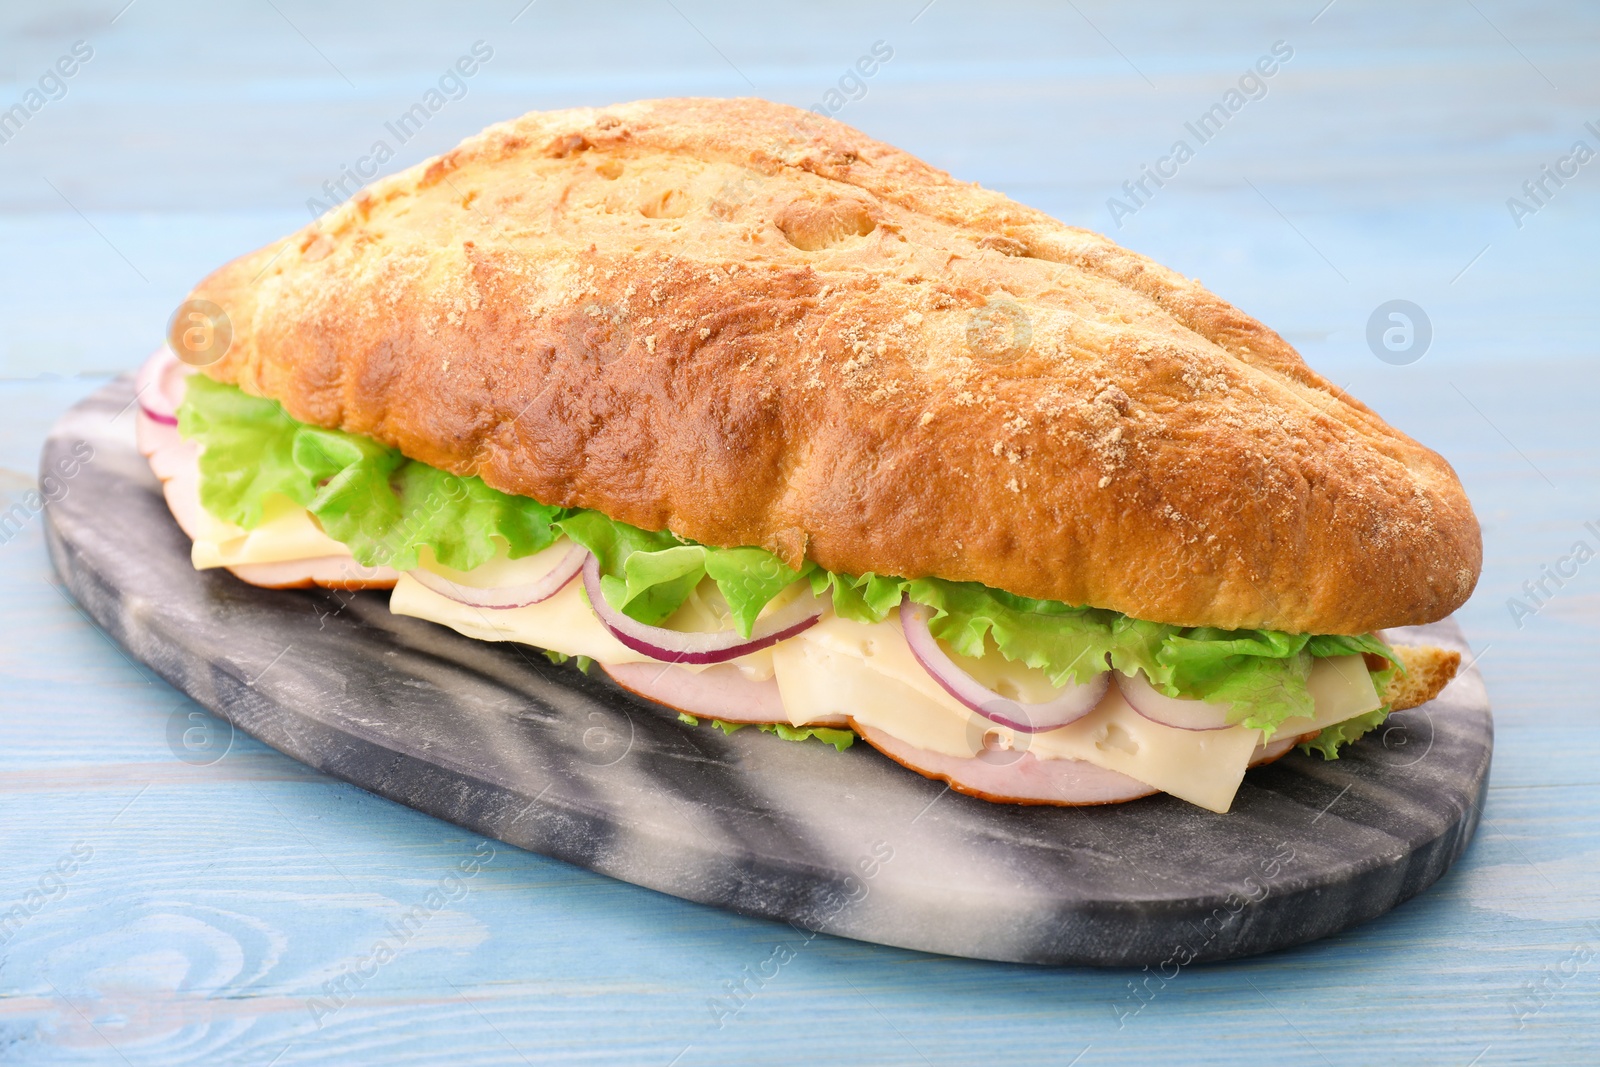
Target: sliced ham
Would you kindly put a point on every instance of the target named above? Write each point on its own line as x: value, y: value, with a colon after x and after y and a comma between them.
x: 1012, y: 778
x: 153, y: 436
x: 169, y: 454
x: 1265, y: 754
x: 721, y: 692
x: 329, y: 572
x: 181, y: 487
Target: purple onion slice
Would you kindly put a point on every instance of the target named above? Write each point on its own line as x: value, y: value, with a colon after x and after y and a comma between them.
x: 1070, y: 705
x: 158, y: 386
x: 1178, y: 712
x: 502, y: 598
x: 676, y: 646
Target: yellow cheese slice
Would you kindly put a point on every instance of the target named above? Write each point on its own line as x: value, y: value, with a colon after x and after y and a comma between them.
x: 564, y: 623
x: 286, y: 532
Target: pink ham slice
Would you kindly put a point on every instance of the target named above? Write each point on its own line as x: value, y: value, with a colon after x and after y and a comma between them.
x: 1008, y: 778
x: 181, y: 487
x: 153, y: 436
x: 1265, y: 754
x: 719, y: 692
x: 329, y: 572
x: 1025, y: 779
x: 169, y: 455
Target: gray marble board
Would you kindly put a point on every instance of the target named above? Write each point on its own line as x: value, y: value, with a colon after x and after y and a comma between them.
x: 495, y: 738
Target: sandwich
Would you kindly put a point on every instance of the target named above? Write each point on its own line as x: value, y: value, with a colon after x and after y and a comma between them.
x: 777, y: 425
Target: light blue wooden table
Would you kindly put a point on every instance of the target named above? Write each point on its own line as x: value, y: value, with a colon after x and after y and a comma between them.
x: 175, y: 913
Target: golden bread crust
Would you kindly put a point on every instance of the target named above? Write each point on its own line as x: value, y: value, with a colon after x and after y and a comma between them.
x: 755, y: 326
x: 1428, y: 670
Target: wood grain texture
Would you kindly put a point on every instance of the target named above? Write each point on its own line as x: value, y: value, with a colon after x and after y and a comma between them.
x: 218, y: 902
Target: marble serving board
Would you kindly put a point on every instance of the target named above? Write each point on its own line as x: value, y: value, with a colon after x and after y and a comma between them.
x: 495, y: 738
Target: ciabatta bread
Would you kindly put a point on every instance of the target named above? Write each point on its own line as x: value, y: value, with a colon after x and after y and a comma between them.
x: 1428, y: 670
x: 755, y: 326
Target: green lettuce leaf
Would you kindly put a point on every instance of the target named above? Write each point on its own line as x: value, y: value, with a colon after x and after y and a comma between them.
x: 648, y: 576
x: 748, y: 579
x: 249, y: 453
x: 583, y: 663
x: 1354, y: 645
x: 385, y: 507
x: 1328, y: 742
x: 868, y: 598
x: 1260, y: 674
x: 1069, y: 644
x: 839, y: 739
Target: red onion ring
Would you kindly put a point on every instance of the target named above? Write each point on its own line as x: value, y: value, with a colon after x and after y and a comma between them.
x: 1072, y: 704
x: 674, y: 646
x: 1178, y: 712
x: 155, y: 384
x: 503, y: 598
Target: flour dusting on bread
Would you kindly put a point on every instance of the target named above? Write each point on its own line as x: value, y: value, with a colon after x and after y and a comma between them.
x: 755, y: 326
